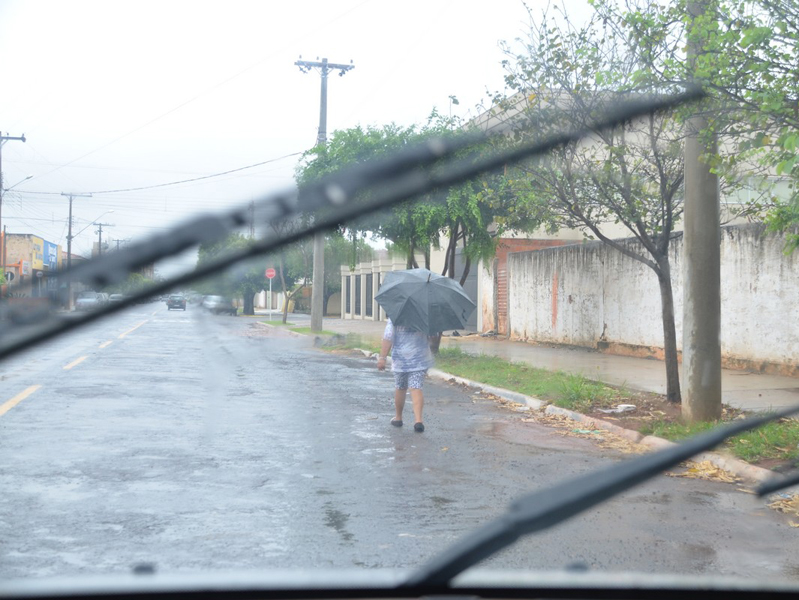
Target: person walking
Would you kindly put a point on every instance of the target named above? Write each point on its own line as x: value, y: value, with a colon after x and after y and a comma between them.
x: 410, y: 360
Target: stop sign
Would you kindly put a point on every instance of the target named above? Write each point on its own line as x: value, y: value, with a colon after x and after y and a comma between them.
x: 270, y: 273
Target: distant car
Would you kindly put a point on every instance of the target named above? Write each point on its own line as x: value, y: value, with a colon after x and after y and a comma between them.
x: 87, y: 301
x: 176, y: 301
x: 113, y: 298
x: 220, y: 305
x: 103, y: 298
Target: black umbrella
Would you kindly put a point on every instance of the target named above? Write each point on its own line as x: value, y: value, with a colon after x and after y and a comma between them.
x: 422, y: 300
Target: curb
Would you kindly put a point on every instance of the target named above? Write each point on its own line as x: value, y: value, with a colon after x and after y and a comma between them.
x: 533, y: 403
x: 732, y: 465
x: 283, y: 329
x: 737, y: 467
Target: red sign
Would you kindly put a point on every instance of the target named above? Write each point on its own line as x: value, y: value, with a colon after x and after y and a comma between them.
x: 270, y: 273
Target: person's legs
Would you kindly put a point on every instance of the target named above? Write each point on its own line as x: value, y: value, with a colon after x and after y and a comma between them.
x: 400, y: 389
x: 418, y: 404
x: 399, y: 403
x: 415, y: 381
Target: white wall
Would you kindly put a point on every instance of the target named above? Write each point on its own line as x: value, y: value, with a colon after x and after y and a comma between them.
x: 589, y: 293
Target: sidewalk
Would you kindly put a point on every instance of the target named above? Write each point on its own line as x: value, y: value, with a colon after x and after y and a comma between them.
x: 740, y: 389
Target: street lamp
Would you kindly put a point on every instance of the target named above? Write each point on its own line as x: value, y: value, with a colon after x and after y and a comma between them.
x: 17, y: 183
x: 3, y: 247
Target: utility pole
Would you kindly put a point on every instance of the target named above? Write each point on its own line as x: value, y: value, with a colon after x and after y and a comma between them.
x: 252, y: 219
x: 701, y: 350
x: 69, y: 243
x: 317, y: 293
x: 3, y: 140
x: 100, y: 239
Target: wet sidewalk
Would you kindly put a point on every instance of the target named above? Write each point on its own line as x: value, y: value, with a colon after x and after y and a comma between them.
x: 740, y: 389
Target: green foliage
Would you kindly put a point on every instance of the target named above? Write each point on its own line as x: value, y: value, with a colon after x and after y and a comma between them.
x: 748, y: 64
x: 242, y: 281
x: 578, y: 393
x: 562, y: 389
x: 134, y: 283
x: 353, y: 341
x: 776, y: 440
x: 309, y: 331
x: 461, y: 212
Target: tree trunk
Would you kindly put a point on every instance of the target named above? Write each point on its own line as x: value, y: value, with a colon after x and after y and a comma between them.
x: 435, y: 343
x: 249, y: 302
x: 669, y: 332
x: 450, y: 249
x: 285, y: 291
x: 466, y: 268
x: 328, y: 294
x: 285, y: 308
x: 427, y: 258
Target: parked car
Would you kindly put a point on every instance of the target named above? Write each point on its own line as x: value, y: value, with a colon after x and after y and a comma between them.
x: 220, y: 305
x: 116, y: 298
x: 87, y: 301
x: 176, y: 301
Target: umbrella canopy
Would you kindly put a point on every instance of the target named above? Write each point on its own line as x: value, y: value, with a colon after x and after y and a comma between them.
x: 425, y: 301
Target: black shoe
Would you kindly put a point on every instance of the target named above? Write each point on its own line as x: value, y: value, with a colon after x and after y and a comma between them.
x: 396, y: 423
x: 418, y: 427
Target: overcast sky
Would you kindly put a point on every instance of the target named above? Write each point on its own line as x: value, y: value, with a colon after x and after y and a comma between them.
x: 120, y: 94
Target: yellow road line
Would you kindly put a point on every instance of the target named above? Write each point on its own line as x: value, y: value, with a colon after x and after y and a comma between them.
x: 106, y: 344
x: 130, y: 330
x: 155, y: 312
x: 75, y: 363
x: 17, y: 399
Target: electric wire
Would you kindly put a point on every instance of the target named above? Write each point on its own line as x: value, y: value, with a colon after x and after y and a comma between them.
x: 180, y: 182
x: 332, y: 200
x: 203, y: 92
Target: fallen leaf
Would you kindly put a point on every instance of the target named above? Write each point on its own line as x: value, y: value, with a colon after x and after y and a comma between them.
x: 707, y: 471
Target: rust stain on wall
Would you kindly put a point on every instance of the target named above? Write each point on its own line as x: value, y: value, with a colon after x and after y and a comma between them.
x: 554, y: 300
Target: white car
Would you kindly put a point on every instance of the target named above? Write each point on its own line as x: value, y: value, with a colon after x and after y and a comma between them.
x: 87, y: 301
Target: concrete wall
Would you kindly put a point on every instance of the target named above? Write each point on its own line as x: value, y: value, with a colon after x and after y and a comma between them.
x: 592, y: 295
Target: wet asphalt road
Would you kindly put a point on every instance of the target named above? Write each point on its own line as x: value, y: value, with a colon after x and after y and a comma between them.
x: 197, y: 442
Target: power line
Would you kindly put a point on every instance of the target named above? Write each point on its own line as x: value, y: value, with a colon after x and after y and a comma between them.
x: 195, y: 97
x: 160, y: 185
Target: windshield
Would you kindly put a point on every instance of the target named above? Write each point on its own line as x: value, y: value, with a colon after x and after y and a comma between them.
x: 300, y: 371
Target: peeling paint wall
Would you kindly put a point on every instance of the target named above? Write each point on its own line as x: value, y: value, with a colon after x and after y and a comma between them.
x: 485, y: 283
x: 594, y: 296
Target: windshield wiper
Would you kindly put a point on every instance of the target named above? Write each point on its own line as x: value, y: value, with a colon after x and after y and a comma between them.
x: 544, y: 509
x: 333, y: 200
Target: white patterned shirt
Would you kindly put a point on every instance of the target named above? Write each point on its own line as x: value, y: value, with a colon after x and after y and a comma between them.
x: 411, y: 350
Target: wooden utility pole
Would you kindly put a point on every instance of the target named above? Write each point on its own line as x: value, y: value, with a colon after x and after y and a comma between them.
x: 100, y: 239
x: 69, y: 243
x: 3, y: 140
x: 317, y: 293
x: 701, y: 350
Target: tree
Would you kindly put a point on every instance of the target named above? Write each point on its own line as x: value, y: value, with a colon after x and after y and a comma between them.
x: 340, y: 250
x: 747, y: 62
x: 462, y: 212
x: 565, y: 78
x: 295, y: 263
x: 244, y: 280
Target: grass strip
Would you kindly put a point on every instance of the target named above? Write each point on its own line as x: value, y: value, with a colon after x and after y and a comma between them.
x: 777, y: 440
x: 308, y: 330
x: 352, y: 341
x: 278, y: 323
x: 562, y: 389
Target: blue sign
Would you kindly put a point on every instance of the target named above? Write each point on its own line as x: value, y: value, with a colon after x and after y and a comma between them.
x: 50, y: 258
